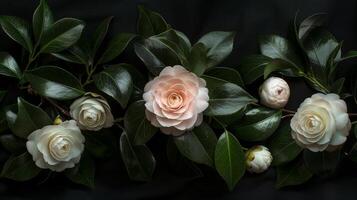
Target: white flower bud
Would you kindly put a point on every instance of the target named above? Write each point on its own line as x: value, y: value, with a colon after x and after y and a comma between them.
x: 258, y: 159
x: 274, y: 92
x: 92, y: 112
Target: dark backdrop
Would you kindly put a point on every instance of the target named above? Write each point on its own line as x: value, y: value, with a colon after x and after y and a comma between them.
x: 250, y: 18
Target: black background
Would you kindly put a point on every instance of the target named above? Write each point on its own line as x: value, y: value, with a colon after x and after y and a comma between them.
x: 249, y: 19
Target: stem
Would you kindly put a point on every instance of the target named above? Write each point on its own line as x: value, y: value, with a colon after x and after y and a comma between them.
x: 316, y: 82
x: 64, y: 111
x: 288, y: 111
x: 288, y: 115
x: 220, y: 123
x: 90, y: 70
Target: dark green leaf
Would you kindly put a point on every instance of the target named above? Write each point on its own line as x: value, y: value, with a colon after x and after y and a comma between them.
x: 225, y: 75
x: 116, y: 82
x: 20, y: 168
x: 100, y: 34
x: 229, y: 159
x: 101, y: 144
x: 29, y: 118
x: 12, y: 144
x: 138, y: 160
x: 293, y: 173
x: 54, y: 82
x: 198, y: 145
x: 150, y: 23
x: 252, y: 67
x: 42, y: 19
x: 226, y: 99
x: 2, y: 94
x: 74, y: 54
x: 349, y: 55
x: 61, y: 35
x: 258, y: 124
x: 281, y: 66
x: 18, y: 30
x: 282, y: 146
x: 197, y: 60
x: 310, y: 23
x: 337, y: 85
x: 275, y: 46
x: 322, y: 163
x: 139, y: 129
x: 219, y: 45
x: 83, y: 173
x: 8, y: 66
x: 116, y: 46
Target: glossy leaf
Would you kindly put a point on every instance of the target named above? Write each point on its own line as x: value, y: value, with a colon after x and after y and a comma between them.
x: 224, y: 75
x: 74, y: 54
x: 310, y: 23
x: 139, y: 129
x: 226, y: 99
x: 258, y: 124
x: 293, y: 173
x: 8, y: 66
x: 100, y: 34
x: 12, y: 144
x: 116, y: 46
x: 138, y: 160
x: 229, y: 159
x: 274, y: 46
x: 219, y: 45
x: 20, y: 168
x: 116, y: 82
x: 83, y: 173
x: 197, y: 60
x: 18, y: 30
x: 42, y: 19
x: 278, y: 65
x: 253, y: 66
x: 61, y: 35
x: 322, y: 163
x: 349, y: 55
x: 150, y: 23
x: 29, y: 118
x: 54, y: 82
x: 198, y: 145
x: 282, y: 146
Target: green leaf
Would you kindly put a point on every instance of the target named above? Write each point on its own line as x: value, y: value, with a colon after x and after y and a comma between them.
x: 12, y: 144
x: 101, y: 144
x: 83, y: 173
x: 258, y: 124
x: 281, y: 66
x: 198, y: 145
x: 100, y: 34
x: 139, y: 129
x: 42, y: 19
x: 2, y: 95
x: 226, y: 99
x: 54, y: 82
x: 74, y: 54
x: 293, y: 173
x: 337, y: 85
x: 310, y: 23
x: 116, y: 82
x: 349, y: 55
x: 219, y: 45
x: 253, y: 66
x: 180, y: 164
x: 224, y: 75
x: 282, y: 146
x: 275, y: 46
x: 8, y: 66
x: 18, y: 30
x: 197, y: 60
x: 138, y: 160
x: 229, y: 159
x: 150, y: 23
x: 20, y: 168
x: 61, y: 35
x: 29, y: 118
x: 116, y: 46
x: 322, y: 163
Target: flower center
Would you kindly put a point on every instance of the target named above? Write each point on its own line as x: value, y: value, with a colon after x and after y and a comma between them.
x: 313, y: 123
x: 60, y: 147
x: 174, y: 100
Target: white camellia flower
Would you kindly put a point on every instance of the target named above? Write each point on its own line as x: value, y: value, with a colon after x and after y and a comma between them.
x: 321, y: 122
x: 56, y: 147
x: 274, y: 92
x: 92, y: 112
x: 258, y: 159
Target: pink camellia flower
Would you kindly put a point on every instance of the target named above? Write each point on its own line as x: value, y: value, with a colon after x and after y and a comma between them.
x: 175, y: 100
